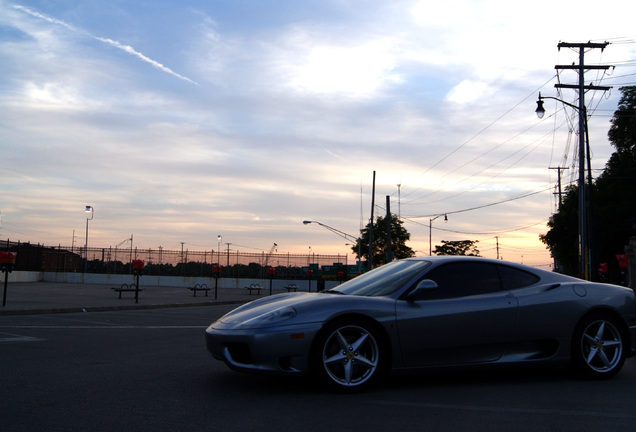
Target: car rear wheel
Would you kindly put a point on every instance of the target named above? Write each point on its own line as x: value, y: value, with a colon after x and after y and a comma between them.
x: 597, y: 347
x: 348, y: 355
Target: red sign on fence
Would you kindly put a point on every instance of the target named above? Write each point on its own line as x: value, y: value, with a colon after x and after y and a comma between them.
x: 138, y: 264
x: 7, y: 257
x: 623, y: 260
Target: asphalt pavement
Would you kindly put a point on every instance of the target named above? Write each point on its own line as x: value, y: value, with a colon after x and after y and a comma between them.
x: 22, y: 298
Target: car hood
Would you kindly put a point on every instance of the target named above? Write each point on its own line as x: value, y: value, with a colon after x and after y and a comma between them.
x: 297, y: 308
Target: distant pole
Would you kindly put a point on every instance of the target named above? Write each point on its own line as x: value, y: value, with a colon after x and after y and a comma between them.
x: 389, y: 246
x: 370, y: 259
x: 497, y: 240
x: 182, y: 262
x: 219, y: 239
x: 131, y: 252
x: 91, y: 210
x: 559, y: 193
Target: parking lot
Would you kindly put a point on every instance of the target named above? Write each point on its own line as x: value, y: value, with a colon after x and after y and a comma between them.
x: 149, y: 370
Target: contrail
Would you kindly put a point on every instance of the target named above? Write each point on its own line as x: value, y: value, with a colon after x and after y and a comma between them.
x: 113, y: 43
x: 131, y: 50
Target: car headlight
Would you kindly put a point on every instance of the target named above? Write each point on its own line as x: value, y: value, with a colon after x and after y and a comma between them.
x: 271, y: 317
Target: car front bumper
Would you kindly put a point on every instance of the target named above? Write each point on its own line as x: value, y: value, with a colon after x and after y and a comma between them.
x: 277, y: 350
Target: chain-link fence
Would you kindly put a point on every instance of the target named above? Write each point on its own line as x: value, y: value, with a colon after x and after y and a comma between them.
x: 163, y: 262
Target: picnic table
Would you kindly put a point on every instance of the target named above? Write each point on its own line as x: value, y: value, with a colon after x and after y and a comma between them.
x: 126, y: 288
x: 199, y: 287
x: 254, y: 287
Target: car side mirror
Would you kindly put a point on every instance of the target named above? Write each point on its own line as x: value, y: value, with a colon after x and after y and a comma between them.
x: 422, y: 287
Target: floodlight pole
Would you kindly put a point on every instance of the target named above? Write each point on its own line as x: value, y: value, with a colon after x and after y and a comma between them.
x: 430, y: 232
x: 91, y: 210
x: 345, y: 236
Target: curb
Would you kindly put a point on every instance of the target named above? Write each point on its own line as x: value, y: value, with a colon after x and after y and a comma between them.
x: 114, y: 308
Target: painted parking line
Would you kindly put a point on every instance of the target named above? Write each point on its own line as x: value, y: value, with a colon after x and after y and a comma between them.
x: 126, y: 327
x: 9, y: 337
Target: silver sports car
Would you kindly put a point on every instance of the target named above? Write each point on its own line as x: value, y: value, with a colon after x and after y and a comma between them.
x: 435, y: 312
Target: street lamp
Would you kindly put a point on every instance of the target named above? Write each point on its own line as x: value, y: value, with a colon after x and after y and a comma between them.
x: 219, y: 239
x: 430, y: 230
x: 90, y: 210
x: 584, y: 201
x: 344, y: 235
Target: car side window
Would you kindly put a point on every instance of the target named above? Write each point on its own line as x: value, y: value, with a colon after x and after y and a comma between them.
x: 464, y: 279
x: 512, y: 278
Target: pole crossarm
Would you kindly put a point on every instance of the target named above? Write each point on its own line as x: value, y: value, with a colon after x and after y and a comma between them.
x: 601, y: 45
x: 587, y: 67
x: 586, y: 87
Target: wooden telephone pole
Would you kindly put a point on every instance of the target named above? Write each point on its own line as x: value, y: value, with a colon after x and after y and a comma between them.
x: 585, y: 232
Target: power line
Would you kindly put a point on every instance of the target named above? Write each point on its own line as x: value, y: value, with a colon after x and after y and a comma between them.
x: 485, y: 205
x: 507, y: 230
x: 475, y: 136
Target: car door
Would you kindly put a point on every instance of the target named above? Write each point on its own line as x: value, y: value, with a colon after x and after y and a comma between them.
x: 468, y: 318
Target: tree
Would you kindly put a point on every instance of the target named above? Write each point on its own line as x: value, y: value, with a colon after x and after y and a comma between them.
x: 613, y: 205
x: 399, y: 237
x: 459, y: 247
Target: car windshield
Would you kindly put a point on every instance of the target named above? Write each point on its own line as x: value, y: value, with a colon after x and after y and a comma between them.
x: 382, y: 280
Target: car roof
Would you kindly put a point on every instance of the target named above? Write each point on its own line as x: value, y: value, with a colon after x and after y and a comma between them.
x: 544, y: 274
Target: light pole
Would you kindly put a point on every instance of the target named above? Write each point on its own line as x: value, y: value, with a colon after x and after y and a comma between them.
x: 89, y: 209
x: 430, y: 230
x: 345, y: 236
x: 583, y: 189
x: 219, y: 239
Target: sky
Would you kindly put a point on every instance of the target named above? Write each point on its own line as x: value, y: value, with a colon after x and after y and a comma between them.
x: 182, y: 121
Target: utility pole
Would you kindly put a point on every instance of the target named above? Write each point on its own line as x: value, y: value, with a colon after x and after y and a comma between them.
x: 497, y: 239
x: 389, y: 246
x: 585, y: 230
x: 399, y: 186
x: 559, y: 193
x: 370, y: 259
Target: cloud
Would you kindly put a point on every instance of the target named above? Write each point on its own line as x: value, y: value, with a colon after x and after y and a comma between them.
x: 128, y: 49
x: 131, y: 50
x: 359, y: 70
x: 468, y: 91
x: 44, y: 17
x: 294, y: 109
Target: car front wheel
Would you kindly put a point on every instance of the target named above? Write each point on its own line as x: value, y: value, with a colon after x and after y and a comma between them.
x: 597, y: 348
x: 348, y: 355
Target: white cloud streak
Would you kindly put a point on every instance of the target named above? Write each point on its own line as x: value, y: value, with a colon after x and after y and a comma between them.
x: 126, y: 48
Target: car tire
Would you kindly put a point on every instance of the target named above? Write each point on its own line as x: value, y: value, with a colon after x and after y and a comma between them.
x: 348, y: 355
x: 598, y: 349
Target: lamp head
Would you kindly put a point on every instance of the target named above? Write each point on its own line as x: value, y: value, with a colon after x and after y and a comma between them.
x: 540, y: 110
x: 88, y: 209
x: 445, y: 218
x: 306, y: 222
